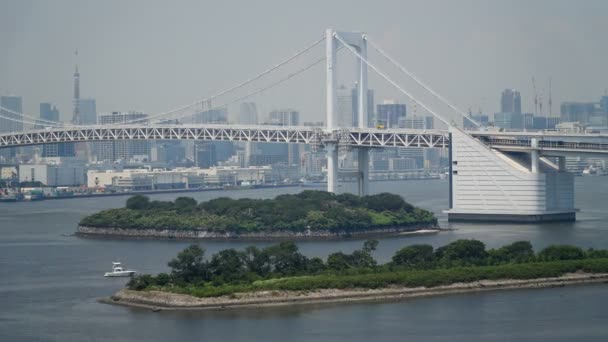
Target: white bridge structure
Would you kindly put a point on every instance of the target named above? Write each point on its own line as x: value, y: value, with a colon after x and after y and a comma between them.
x: 494, y: 176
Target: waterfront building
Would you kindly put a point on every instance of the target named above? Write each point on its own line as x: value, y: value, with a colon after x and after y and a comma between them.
x: 400, y: 164
x: 179, y: 178
x: 54, y: 172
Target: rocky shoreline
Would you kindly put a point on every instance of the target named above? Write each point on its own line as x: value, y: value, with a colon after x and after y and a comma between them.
x: 156, y: 300
x: 260, y: 236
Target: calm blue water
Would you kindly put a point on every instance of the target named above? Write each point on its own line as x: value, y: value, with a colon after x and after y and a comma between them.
x: 49, y: 283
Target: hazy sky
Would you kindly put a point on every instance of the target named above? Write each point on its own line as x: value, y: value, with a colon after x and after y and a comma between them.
x: 154, y: 56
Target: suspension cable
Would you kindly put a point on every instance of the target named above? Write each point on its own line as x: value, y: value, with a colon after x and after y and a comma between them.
x: 23, y: 120
x: 29, y: 117
x: 422, y: 84
x: 389, y: 80
x: 240, y: 85
x: 262, y: 89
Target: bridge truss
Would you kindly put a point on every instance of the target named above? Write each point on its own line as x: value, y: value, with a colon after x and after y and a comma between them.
x: 263, y: 134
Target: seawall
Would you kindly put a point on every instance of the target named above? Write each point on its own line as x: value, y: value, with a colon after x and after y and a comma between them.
x: 259, y: 236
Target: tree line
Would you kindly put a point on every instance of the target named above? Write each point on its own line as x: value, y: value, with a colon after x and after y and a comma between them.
x: 308, y: 210
x: 231, y: 267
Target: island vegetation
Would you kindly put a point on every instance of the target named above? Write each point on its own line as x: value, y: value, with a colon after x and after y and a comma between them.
x: 308, y: 211
x: 283, y: 267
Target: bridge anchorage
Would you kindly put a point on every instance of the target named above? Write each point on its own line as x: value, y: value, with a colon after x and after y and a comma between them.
x: 494, y: 176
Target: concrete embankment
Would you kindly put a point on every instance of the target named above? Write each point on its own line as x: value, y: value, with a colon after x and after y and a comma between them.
x: 156, y: 300
x: 257, y: 236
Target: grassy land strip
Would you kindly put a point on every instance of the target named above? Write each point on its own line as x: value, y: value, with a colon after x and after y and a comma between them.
x: 412, y: 278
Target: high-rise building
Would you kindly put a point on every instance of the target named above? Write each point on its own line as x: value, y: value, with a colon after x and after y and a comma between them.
x: 272, y: 153
x: 370, y: 106
x: 344, y: 107
x: 284, y: 117
x: 389, y: 113
x: 581, y: 112
x: 481, y: 119
x: 169, y: 152
x: 49, y: 112
x: 509, y: 120
x: 211, y: 116
x: 122, y: 150
x: 510, y: 101
x: 88, y: 111
x: 417, y: 122
x: 205, y: 154
x: 248, y: 115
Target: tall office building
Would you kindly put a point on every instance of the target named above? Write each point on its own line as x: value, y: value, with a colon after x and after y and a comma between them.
x: 88, y: 111
x: 122, y: 150
x: 509, y: 120
x: 211, y: 116
x: 344, y: 107
x: 417, y: 122
x: 49, y: 112
x: 581, y: 112
x: 510, y: 101
x: 370, y: 106
x: 284, y: 117
x: 272, y: 153
x: 389, y: 113
x: 248, y: 114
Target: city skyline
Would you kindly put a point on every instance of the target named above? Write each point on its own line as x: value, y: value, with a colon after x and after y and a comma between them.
x: 477, y: 53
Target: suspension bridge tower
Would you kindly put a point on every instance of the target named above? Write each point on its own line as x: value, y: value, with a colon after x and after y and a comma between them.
x: 358, y: 41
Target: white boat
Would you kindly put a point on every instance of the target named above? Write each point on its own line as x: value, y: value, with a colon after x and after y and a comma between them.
x: 119, y: 271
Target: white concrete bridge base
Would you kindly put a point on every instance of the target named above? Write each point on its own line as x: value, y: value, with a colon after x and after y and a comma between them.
x: 487, y: 185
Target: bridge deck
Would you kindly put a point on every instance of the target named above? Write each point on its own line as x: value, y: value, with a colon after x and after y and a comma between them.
x: 354, y: 137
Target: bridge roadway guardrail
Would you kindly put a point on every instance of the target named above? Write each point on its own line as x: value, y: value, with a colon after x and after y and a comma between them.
x: 552, y: 145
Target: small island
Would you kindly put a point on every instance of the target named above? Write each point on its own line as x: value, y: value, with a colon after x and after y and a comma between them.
x: 307, y: 215
x: 280, y: 275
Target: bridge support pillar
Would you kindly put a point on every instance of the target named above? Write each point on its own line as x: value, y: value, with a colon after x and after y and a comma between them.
x: 332, y: 167
x: 534, y: 155
x: 363, y: 166
x: 486, y: 185
x: 561, y: 163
